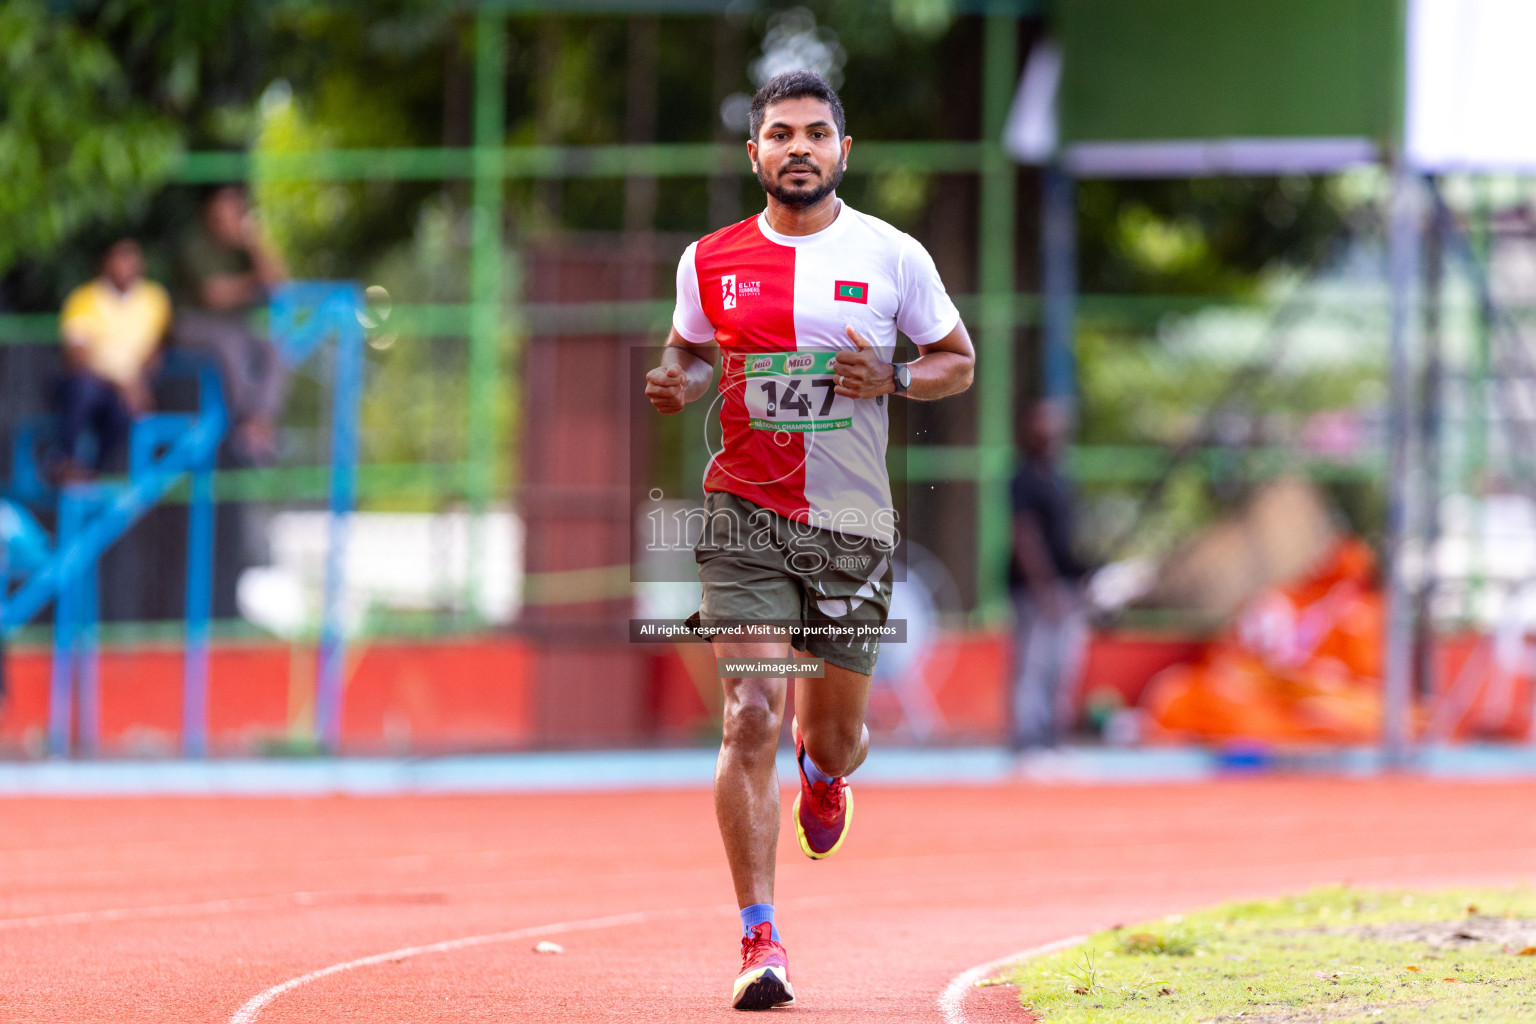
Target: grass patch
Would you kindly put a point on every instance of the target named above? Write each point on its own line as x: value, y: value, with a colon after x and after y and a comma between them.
x: 1337, y: 955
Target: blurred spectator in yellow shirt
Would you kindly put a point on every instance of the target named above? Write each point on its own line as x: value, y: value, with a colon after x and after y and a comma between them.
x: 112, y: 329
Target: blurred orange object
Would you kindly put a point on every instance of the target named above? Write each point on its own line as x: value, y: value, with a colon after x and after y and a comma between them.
x: 1302, y: 663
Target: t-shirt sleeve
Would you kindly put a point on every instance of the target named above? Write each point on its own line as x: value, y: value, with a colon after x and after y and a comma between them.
x: 160, y: 308
x: 926, y: 312
x: 75, y: 319
x: 688, y: 316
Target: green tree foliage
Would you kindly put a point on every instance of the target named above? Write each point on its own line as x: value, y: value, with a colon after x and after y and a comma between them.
x: 76, y: 143
x: 1203, y: 236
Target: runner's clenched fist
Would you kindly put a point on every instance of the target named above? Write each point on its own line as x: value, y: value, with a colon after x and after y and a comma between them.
x: 665, y: 386
x: 862, y: 373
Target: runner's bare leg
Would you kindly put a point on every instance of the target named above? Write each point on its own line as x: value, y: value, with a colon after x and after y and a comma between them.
x: 831, y: 713
x: 746, y: 777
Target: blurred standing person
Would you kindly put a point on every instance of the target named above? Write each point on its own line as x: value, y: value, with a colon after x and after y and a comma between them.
x: 112, y: 328
x: 227, y: 268
x: 1045, y: 580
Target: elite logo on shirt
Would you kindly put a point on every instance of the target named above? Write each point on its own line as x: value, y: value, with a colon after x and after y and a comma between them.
x: 853, y: 291
x: 731, y: 290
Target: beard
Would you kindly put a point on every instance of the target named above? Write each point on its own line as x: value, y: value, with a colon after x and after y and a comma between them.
x: 805, y: 196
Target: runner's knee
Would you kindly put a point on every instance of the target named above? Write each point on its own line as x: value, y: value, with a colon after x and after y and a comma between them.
x: 751, y: 723
x: 834, y: 747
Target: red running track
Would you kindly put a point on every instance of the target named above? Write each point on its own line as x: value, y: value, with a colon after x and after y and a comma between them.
x: 170, y: 910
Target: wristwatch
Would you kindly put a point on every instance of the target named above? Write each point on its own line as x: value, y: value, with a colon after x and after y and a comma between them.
x: 903, y: 378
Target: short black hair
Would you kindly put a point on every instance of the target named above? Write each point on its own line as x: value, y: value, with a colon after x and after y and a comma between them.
x: 213, y: 192
x: 112, y: 247
x: 794, y: 85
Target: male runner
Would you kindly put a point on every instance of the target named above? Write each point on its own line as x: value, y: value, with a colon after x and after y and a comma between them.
x: 804, y: 300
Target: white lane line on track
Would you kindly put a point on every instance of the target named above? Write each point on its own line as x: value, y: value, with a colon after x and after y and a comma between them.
x: 281, y: 901
x: 952, y: 999
x: 253, y: 1007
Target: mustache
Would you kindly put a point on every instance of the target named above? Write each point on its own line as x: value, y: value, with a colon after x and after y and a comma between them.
x: 798, y: 163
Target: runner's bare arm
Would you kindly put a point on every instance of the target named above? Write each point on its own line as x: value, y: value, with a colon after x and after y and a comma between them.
x: 684, y: 375
x: 944, y: 367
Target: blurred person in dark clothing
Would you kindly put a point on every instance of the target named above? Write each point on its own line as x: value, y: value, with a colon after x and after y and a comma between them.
x: 1045, y: 581
x: 112, y: 328
x: 226, y: 268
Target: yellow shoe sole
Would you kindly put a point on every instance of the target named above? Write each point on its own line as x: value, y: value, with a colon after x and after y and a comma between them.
x: 805, y: 844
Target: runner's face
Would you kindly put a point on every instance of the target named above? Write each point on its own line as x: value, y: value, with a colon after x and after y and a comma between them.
x: 798, y: 156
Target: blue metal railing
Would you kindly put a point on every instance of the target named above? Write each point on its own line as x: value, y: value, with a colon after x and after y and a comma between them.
x: 304, y: 314
x: 164, y: 448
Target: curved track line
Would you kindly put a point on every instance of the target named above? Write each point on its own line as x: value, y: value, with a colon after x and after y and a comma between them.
x: 253, y: 1007
x: 952, y: 999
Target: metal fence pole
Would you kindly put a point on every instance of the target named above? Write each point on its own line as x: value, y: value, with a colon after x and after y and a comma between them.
x: 994, y: 342
x: 1431, y: 425
x: 486, y: 261
x: 61, y: 690
x: 345, y: 412
x: 1058, y: 260
x: 195, y: 657
x: 1402, y: 257
x: 88, y: 658
x: 1479, y: 399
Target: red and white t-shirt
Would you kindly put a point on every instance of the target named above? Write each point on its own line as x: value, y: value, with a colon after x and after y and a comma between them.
x: 778, y: 305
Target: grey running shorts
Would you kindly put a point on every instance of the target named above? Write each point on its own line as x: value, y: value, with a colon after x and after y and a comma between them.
x: 759, y: 566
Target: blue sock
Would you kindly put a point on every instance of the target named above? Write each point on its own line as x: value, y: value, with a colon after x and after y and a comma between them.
x: 756, y: 914
x: 812, y: 772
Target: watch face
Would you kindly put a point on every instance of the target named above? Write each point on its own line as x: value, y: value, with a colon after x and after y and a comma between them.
x: 903, y: 376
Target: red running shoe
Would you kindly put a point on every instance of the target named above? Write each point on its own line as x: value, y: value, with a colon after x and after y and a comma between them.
x: 823, y: 811
x: 764, y: 979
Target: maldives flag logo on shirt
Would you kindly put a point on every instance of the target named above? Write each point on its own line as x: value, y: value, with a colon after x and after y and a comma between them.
x: 853, y: 291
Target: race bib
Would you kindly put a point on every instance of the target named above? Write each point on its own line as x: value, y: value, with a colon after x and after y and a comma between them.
x: 794, y: 391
